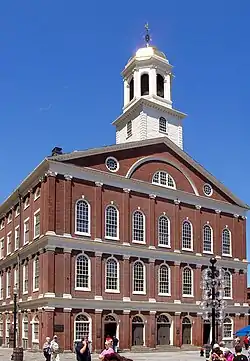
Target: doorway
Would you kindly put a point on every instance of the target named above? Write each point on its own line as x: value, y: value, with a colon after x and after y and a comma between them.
x: 206, y: 333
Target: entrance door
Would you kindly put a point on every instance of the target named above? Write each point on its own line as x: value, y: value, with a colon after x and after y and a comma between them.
x: 137, y: 334
x: 206, y: 333
x: 163, y: 334
x: 186, y: 331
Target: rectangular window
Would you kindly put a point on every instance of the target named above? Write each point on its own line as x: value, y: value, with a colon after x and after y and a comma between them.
x: 17, y: 237
x: 8, y: 243
x: 1, y: 286
x: 25, y: 278
x: 36, y: 275
x: 2, y: 248
x: 8, y: 284
x: 129, y: 129
x: 26, y: 230
x: 37, y: 224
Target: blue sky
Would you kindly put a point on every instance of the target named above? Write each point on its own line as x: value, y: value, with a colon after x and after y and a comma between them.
x: 60, y: 80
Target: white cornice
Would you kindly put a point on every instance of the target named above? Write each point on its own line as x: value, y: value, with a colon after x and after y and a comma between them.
x: 139, y: 186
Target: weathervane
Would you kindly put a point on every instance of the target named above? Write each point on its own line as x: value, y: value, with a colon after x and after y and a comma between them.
x: 147, y: 35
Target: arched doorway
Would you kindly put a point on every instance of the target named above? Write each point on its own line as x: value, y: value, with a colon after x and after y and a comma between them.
x: 137, y: 331
x: 163, y: 330
x: 206, y: 332
x: 186, y: 331
x: 110, y: 326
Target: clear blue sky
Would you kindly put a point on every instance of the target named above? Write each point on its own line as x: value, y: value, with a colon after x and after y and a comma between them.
x: 60, y: 80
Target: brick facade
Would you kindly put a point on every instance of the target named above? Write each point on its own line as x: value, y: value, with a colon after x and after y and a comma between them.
x: 54, y: 306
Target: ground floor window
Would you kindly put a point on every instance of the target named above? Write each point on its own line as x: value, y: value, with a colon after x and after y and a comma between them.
x: 81, y: 327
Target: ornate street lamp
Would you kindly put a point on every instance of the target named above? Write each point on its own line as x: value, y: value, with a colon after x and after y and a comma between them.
x: 213, y: 305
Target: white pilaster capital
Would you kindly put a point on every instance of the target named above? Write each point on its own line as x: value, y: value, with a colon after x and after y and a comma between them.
x: 99, y: 184
x: 68, y: 177
x: 152, y: 196
x: 217, y: 211
x: 126, y: 190
x: 198, y: 207
x: 50, y: 173
x: 177, y: 202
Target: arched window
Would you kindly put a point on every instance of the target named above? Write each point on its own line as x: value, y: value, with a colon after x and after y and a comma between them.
x: 82, y: 327
x: 111, y: 222
x: 138, y: 229
x: 162, y: 178
x: 163, y: 231
x: 187, y: 282
x: 83, y: 273
x: 35, y: 329
x: 131, y: 89
x: 164, y: 280
x: 82, y: 217
x: 162, y: 125
x: 139, y: 281
x: 207, y: 239
x: 187, y: 235
x: 160, y: 85
x: 226, y: 242
x: 227, y: 329
x: 25, y: 331
x: 227, y: 285
x: 112, y: 275
x: 144, y: 84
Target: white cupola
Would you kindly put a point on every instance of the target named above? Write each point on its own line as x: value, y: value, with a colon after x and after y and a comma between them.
x: 147, y: 110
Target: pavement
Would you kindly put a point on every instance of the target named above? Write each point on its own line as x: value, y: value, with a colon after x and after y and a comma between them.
x: 5, y: 354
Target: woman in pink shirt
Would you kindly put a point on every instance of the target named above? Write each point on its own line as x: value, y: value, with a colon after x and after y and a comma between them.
x: 107, y: 351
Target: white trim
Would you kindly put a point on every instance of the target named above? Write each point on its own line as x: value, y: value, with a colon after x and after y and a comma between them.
x: 169, y: 280
x: 118, y: 222
x: 191, y: 249
x: 24, y: 222
x: 35, y: 236
x: 192, y: 280
x: 118, y: 165
x: 89, y: 273
x: 107, y: 290
x: 35, y: 289
x: 143, y: 160
x: 38, y: 190
x: 89, y: 218
x: 90, y: 325
x: 144, y: 292
x: 144, y: 227
x: 17, y: 228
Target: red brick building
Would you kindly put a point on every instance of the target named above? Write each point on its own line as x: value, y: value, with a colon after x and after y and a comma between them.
x: 114, y: 240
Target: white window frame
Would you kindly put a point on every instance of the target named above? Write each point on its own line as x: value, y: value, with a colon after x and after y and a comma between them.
x: 89, y: 273
x: 2, y: 223
x: 35, y: 236
x: 35, y: 289
x: 23, y: 270
x: 191, y: 249
x: 144, y: 227
x: 89, y: 322
x: 89, y: 218
x: 2, y: 248
x: 33, y: 323
x: 9, y: 237
x: 212, y: 239
x: 158, y: 224
x: 17, y: 232
x: 107, y: 290
x: 8, y: 284
x: 25, y: 317
x: 117, y: 226
x: 231, y: 285
x: 192, y: 280
x: 27, y: 220
x: 232, y: 329
x: 144, y: 292
x: 169, y: 280
x: 26, y: 202
x: 9, y: 219
x: 17, y: 210
x: 230, y: 234
x: 37, y: 193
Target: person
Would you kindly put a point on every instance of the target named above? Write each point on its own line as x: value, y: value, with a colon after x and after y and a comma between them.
x: 82, y: 350
x: 55, y: 349
x: 115, y: 343
x: 238, y: 354
x: 107, y: 351
x: 246, y: 342
x: 47, y: 349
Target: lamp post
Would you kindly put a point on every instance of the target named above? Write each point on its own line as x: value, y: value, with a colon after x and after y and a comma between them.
x: 213, y: 305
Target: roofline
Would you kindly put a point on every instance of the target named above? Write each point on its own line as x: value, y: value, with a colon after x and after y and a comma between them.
x: 29, y: 182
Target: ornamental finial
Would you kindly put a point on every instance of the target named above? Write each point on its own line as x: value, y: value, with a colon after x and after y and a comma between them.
x: 147, y: 35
